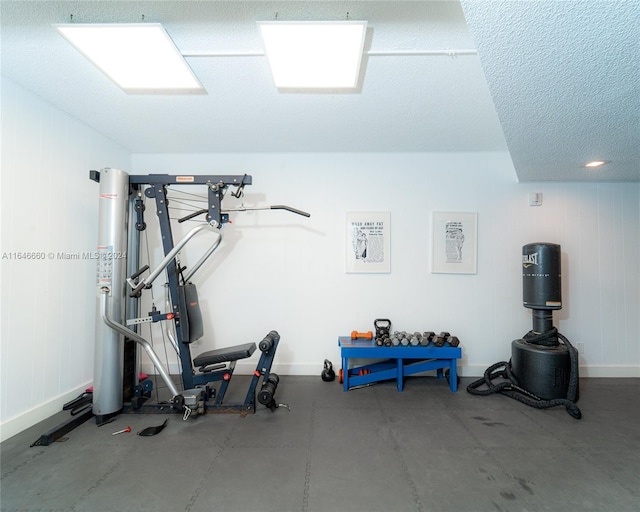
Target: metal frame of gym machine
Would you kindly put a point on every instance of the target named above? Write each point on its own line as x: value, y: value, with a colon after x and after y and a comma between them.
x: 116, y: 385
x: 118, y: 251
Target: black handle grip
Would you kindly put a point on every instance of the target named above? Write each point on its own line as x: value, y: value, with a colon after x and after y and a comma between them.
x: 192, y: 215
x: 143, y: 269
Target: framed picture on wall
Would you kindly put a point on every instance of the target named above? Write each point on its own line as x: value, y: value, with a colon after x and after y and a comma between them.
x: 454, y: 243
x: 368, y: 242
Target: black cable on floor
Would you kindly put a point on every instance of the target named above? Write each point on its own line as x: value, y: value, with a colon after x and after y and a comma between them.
x: 509, y: 386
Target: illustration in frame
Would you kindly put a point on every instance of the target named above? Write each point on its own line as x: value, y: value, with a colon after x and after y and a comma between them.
x: 368, y: 242
x: 454, y: 243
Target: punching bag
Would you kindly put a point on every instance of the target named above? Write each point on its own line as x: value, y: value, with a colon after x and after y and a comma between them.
x: 543, y: 370
x: 540, y: 363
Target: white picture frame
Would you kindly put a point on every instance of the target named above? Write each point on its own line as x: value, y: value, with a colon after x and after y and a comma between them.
x: 454, y: 243
x: 367, y: 242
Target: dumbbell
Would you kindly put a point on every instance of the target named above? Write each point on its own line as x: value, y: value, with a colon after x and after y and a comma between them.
x: 383, y: 341
x: 453, y: 341
x: 427, y: 337
x: 415, y: 339
x: 438, y: 341
x: 363, y: 335
x: 441, y: 338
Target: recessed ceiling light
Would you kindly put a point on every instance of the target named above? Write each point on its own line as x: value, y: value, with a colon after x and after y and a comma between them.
x: 314, y: 54
x: 141, y: 58
x: 596, y: 163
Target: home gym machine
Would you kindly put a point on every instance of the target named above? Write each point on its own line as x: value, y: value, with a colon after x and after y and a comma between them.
x: 543, y: 370
x: 121, y: 281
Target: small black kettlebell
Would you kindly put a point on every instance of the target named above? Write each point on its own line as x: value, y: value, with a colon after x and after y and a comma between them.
x: 328, y: 374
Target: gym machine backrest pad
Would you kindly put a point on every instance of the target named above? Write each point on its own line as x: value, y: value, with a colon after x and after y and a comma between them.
x: 192, y: 328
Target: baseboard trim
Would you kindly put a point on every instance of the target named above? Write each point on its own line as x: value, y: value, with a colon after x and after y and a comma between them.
x: 35, y: 415
x: 610, y: 371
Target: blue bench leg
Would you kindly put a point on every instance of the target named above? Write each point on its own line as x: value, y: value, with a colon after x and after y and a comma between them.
x: 453, y: 375
x: 345, y: 373
x: 400, y: 374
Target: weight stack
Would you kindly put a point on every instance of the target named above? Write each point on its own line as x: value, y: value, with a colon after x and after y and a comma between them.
x: 541, y: 370
x: 111, y: 270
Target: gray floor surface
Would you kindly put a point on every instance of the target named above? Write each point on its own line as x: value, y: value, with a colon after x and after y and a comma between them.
x: 370, y: 449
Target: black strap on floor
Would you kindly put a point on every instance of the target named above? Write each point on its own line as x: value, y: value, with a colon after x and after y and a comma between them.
x: 152, y: 431
x: 509, y: 386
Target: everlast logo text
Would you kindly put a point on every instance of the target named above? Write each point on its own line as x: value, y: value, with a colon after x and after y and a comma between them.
x: 529, y: 259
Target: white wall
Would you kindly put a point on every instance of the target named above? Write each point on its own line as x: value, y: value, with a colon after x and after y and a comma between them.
x: 284, y: 272
x: 49, y: 206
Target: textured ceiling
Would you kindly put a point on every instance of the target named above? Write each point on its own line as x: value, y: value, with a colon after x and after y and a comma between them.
x: 565, y: 80
x: 526, y: 91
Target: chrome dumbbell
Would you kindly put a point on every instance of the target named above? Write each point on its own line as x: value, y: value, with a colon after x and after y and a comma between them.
x: 415, y: 339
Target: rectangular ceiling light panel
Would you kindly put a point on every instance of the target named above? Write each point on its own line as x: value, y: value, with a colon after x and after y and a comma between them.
x: 314, y: 54
x: 141, y: 58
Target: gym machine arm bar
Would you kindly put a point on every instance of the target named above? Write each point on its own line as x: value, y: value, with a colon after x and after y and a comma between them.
x: 204, y: 258
x: 146, y: 283
x: 272, y: 207
x: 138, y: 339
x: 245, y: 209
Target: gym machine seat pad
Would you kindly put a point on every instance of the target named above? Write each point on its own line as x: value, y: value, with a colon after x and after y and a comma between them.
x: 223, y: 355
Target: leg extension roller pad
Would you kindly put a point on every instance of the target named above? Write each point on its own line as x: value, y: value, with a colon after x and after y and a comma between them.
x: 266, y: 395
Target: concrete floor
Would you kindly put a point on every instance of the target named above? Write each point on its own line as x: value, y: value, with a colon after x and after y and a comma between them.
x: 370, y: 449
